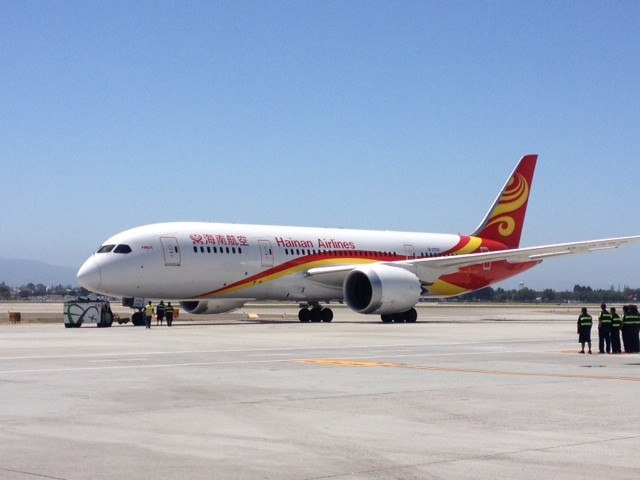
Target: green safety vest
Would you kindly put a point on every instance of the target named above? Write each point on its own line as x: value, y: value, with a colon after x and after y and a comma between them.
x: 585, y: 321
x: 605, y: 317
x: 616, y: 321
x: 631, y: 319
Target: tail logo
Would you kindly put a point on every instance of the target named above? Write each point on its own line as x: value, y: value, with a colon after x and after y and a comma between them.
x: 514, y: 196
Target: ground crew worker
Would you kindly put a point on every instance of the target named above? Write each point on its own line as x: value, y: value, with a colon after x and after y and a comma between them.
x: 160, y: 313
x: 148, y: 314
x: 626, y: 329
x: 584, y: 329
x: 616, y: 323
x: 634, y: 315
x: 168, y: 312
x: 604, y: 330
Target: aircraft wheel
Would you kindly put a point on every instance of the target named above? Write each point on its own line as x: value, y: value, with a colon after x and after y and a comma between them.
x: 326, y: 314
x: 398, y: 317
x: 137, y: 319
x: 386, y: 318
x: 304, y: 315
x: 410, y: 316
x: 316, y: 315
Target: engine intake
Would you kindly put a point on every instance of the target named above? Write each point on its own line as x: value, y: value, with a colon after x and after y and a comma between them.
x: 381, y: 289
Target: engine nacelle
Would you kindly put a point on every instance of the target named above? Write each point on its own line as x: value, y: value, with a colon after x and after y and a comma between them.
x: 381, y: 289
x: 220, y: 305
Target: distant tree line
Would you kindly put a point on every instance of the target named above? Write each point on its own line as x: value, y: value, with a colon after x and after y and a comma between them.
x: 580, y: 294
x: 30, y: 291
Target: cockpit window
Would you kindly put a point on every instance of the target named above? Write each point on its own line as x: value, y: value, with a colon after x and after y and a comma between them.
x: 122, y: 249
x: 105, y: 248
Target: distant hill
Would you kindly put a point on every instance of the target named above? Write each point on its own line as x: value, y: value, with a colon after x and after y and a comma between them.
x: 16, y: 273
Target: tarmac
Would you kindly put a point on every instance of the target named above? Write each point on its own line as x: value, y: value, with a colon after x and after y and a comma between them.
x: 466, y: 392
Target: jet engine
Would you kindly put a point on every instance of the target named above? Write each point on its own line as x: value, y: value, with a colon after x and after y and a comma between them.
x: 220, y: 305
x: 381, y: 289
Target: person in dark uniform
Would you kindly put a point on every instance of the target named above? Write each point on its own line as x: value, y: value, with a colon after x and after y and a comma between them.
x: 630, y: 329
x: 635, y: 330
x: 627, y: 326
x: 604, y: 330
x: 584, y: 329
x: 168, y: 313
x: 160, y: 313
x: 616, y: 323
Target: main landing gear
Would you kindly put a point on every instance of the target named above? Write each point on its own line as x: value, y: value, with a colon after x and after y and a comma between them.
x: 315, y: 314
x: 409, y: 316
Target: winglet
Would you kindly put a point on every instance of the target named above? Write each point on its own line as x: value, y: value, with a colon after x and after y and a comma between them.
x: 504, y: 220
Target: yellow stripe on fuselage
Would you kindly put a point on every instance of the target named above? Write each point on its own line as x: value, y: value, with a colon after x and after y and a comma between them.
x: 472, y: 246
x: 446, y: 289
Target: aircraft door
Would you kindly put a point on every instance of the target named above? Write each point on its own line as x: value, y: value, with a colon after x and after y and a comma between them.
x: 266, y: 253
x: 410, y: 251
x: 171, y: 251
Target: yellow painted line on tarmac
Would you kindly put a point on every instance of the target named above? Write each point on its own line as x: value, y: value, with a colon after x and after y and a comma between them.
x: 348, y: 363
x: 357, y: 363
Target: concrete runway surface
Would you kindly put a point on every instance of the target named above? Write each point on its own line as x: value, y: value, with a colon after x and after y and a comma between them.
x: 466, y: 392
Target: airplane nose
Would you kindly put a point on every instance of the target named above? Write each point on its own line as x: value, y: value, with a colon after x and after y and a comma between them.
x: 89, y: 275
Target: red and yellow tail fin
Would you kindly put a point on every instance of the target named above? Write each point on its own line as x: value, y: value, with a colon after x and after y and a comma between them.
x: 503, y: 223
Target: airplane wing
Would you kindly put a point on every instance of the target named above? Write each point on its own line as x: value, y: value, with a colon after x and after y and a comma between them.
x: 429, y: 270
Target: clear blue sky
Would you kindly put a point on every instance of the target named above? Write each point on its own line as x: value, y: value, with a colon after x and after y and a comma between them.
x: 379, y: 115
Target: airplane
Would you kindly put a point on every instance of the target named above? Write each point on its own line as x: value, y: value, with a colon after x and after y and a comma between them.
x: 212, y: 268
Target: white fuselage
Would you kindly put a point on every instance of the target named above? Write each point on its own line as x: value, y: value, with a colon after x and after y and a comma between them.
x: 193, y: 260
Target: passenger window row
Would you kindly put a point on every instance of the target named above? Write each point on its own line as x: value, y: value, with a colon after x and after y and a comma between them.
x: 209, y: 249
x: 354, y: 253
x: 337, y: 253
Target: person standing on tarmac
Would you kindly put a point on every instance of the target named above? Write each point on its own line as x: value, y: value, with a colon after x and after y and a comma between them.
x: 168, y: 312
x: 630, y: 327
x: 148, y: 315
x: 634, y: 316
x: 160, y: 313
x: 604, y: 330
x: 616, y: 323
x: 626, y: 328
x: 584, y: 329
